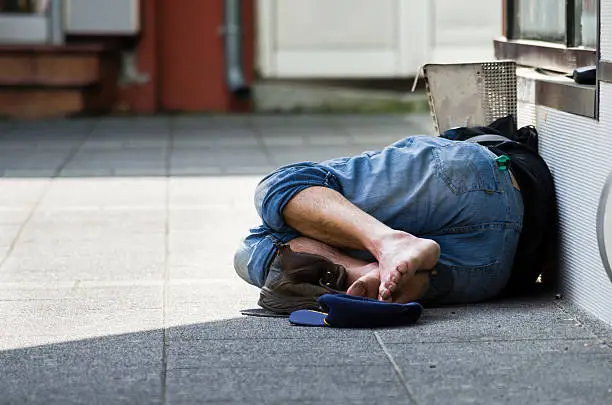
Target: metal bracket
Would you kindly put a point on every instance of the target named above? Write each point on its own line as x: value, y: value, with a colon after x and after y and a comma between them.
x: 129, y: 70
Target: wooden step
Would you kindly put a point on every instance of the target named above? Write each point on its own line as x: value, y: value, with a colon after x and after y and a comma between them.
x: 56, y: 81
x: 50, y: 65
x: 40, y: 103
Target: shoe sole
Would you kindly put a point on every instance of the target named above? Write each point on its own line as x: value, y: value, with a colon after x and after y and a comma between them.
x: 281, y: 304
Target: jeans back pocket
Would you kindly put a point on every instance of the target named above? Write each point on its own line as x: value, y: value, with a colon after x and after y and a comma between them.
x: 466, y: 167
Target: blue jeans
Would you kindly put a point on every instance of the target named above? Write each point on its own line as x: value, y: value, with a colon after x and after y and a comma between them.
x: 451, y: 192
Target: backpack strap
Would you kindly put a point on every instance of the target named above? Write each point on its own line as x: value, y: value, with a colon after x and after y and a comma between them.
x: 488, y: 138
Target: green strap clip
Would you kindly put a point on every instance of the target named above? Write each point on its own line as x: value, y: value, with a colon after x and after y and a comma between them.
x: 503, y: 162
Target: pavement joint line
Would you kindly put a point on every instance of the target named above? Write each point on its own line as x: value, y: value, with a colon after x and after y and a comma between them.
x: 261, y: 143
x: 40, y: 198
x: 397, y: 369
x: 74, y: 151
x: 165, y: 338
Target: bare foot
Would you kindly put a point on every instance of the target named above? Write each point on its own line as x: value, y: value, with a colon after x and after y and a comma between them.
x: 367, y: 284
x: 400, y: 255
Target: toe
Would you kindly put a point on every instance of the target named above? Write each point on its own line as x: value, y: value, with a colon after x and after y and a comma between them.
x: 390, y: 285
x: 384, y: 294
x: 366, y: 286
x: 358, y: 289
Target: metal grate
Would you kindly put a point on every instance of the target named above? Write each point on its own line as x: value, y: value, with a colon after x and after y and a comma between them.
x: 498, y: 89
x: 470, y: 94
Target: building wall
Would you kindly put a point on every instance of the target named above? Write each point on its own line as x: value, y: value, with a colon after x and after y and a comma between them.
x: 577, y: 150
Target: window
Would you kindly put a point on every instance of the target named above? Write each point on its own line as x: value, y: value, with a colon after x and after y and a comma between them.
x: 587, y: 28
x: 542, y: 20
x: 573, y: 23
x: 558, y: 35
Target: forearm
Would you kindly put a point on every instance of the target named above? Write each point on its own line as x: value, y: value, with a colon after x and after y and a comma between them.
x: 325, y: 215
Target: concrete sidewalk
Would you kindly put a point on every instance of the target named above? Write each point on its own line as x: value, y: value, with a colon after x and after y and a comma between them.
x: 116, y: 281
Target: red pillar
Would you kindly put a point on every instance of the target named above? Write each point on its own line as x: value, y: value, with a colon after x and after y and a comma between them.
x: 192, y: 55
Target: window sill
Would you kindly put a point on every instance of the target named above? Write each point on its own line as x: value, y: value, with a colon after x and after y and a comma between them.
x: 544, y: 55
x: 556, y: 91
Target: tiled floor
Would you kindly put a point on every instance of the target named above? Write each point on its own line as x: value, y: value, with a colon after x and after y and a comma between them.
x: 116, y: 281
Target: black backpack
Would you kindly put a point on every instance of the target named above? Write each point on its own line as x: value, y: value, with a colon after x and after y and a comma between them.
x: 536, y: 260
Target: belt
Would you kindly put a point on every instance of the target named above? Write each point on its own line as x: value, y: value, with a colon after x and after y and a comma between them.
x: 513, y: 180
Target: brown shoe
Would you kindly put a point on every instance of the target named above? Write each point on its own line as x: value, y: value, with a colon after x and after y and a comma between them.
x: 296, y: 280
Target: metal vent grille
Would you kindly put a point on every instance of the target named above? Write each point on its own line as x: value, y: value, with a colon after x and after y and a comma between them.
x: 498, y: 89
x: 470, y: 94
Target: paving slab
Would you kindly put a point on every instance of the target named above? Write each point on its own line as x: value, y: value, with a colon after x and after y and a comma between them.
x: 38, y: 313
x: 194, y: 254
x: 296, y: 122
x: 20, y: 193
x: 32, y: 159
x: 115, y: 157
x: 287, y: 384
x: 97, y: 192
x: 214, y: 137
x: 232, y: 159
x: 198, y: 302
x: 264, y: 353
x: 110, y: 369
x: 88, y: 224
x: 83, y: 261
x: 233, y: 325
x: 516, y: 372
x: 492, y: 322
x: 281, y: 139
x: 8, y: 234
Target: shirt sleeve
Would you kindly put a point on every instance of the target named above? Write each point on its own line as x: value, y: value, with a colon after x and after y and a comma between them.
x: 256, y: 252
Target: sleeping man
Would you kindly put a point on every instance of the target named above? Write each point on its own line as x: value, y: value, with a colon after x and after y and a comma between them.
x: 427, y: 218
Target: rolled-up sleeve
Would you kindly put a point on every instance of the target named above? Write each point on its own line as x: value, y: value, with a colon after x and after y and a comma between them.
x: 255, y: 254
x: 275, y: 190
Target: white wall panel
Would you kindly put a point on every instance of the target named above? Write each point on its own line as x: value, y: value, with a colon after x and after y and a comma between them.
x: 335, y: 39
x: 606, y: 30
x: 463, y: 30
x: 577, y: 149
x: 338, y: 24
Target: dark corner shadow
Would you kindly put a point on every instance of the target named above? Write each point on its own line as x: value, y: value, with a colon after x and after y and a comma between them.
x: 125, y: 368
x: 218, y: 359
x: 136, y: 367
